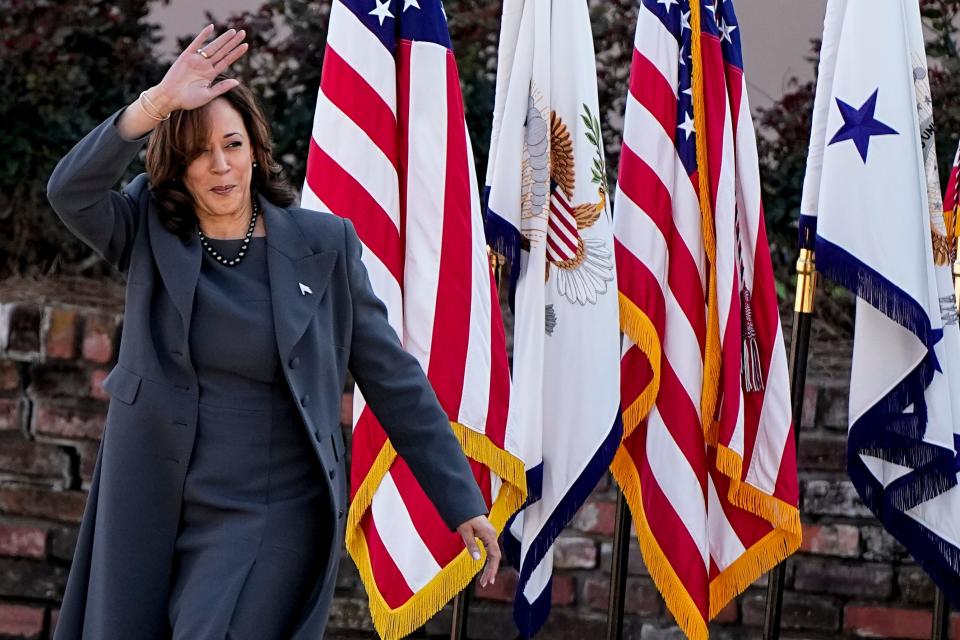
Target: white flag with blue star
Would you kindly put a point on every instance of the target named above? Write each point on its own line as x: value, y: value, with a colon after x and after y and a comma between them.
x: 872, y: 207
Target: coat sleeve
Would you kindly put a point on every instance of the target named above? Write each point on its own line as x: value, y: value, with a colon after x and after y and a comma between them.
x: 398, y: 392
x: 80, y: 192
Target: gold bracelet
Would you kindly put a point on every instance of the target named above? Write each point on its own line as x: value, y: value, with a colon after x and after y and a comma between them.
x: 145, y: 100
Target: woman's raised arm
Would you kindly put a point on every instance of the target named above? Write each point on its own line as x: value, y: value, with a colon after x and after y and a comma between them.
x: 188, y: 83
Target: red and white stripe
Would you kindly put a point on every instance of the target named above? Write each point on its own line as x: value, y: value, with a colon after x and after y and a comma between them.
x: 692, y: 531
x: 390, y: 151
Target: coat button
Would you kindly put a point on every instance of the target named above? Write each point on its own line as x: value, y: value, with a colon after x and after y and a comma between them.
x: 295, y: 362
x: 340, y: 513
x: 333, y: 473
x: 305, y: 400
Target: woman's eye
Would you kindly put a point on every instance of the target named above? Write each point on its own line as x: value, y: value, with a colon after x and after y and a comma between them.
x: 234, y: 145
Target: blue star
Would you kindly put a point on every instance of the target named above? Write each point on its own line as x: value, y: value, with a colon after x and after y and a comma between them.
x: 859, y: 125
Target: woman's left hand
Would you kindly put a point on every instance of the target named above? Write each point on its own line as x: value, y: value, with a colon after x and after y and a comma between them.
x: 481, y: 528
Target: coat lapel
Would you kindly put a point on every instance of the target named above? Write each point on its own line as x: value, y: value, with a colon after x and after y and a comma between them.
x: 178, y: 263
x: 298, y: 276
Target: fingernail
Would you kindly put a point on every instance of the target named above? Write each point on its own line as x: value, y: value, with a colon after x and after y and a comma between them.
x: 476, y: 555
x: 493, y: 579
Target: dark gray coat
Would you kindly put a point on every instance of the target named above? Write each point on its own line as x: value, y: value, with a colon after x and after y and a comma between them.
x: 120, y: 578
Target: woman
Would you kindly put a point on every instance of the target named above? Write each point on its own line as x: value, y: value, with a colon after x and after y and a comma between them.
x: 218, y: 500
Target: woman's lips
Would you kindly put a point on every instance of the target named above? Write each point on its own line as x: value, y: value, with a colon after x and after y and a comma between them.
x: 222, y: 191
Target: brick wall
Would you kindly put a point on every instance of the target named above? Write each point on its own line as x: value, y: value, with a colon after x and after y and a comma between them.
x: 58, y: 341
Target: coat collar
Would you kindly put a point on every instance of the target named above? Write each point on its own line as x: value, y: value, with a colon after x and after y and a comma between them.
x: 178, y: 262
x: 298, y: 276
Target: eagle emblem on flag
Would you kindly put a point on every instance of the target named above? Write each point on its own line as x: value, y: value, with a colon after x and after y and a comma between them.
x: 584, y: 265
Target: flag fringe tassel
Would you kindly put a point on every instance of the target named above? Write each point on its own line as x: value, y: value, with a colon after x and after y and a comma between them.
x: 640, y: 329
x: 866, y: 283
x: 770, y: 551
x: 710, y: 389
x: 745, y: 496
x: 396, y: 623
x: 678, y: 600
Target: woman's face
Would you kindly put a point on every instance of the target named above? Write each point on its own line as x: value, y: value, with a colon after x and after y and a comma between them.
x: 219, y: 177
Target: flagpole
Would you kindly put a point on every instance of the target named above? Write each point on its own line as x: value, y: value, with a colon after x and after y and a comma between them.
x: 799, y: 347
x: 941, y: 609
x: 461, y: 603
x: 618, y: 570
x: 461, y: 613
x: 941, y: 618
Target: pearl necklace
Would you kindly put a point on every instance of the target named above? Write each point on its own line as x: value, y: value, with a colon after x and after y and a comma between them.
x: 216, y: 255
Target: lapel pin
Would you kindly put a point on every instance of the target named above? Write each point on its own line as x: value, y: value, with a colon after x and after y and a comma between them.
x: 304, y: 289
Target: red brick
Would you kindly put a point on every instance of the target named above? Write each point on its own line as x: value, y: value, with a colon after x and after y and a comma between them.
x: 97, y: 376
x: 67, y: 422
x: 868, y: 581
x: 18, y: 621
x: 822, y: 453
x: 832, y: 498
x: 641, y: 597
x: 39, y: 460
x: 98, y: 337
x: 54, y: 619
x: 23, y: 332
x: 800, y: 611
x: 346, y: 409
x: 9, y: 378
x: 596, y: 517
x: 502, y: 590
x: 831, y: 540
x: 574, y: 553
x: 564, y: 590
x: 22, y: 542
x: 88, y: 458
x: 62, y: 506
x: 886, y: 622
x: 9, y: 414
x: 809, y: 415
x: 60, y: 333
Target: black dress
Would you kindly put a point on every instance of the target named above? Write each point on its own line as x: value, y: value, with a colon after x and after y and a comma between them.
x: 253, y: 537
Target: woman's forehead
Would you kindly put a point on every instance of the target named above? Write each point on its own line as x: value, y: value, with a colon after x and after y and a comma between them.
x: 221, y: 119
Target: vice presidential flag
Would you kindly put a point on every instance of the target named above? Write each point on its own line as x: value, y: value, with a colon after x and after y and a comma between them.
x: 871, y: 193
x: 547, y: 211
x: 707, y: 464
x: 390, y: 151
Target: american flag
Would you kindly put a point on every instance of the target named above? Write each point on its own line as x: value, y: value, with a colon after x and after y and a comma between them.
x: 707, y: 464
x: 391, y: 152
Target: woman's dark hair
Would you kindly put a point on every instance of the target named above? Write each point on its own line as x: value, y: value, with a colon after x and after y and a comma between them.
x: 177, y: 141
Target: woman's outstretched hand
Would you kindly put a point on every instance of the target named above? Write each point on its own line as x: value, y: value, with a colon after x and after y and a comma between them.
x: 188, y: 84
x: 481, y: 528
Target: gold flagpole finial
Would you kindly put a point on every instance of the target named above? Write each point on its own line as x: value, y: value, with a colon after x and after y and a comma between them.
x: 806, y: 281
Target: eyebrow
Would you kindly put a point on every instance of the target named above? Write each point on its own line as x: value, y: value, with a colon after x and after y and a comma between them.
x: 233, y: 133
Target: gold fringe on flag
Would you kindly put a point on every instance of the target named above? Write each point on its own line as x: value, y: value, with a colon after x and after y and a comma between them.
x: 639, y: 328
x: 668, y: 583
x: 769, y: 551
x: 396, y: 623
x: 710, y: 389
